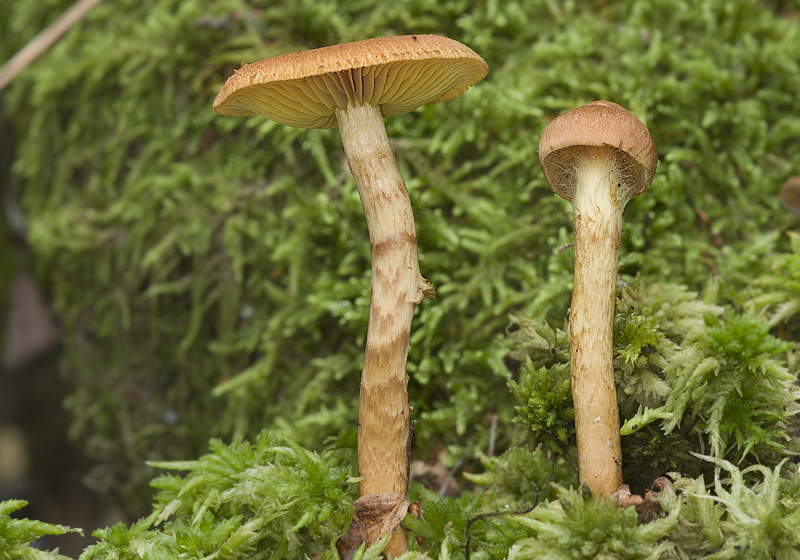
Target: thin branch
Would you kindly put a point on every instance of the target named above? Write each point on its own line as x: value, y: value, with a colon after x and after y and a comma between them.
x: 44, y: 41
x: 492, y: 436
x: 490, y: 514
x: 450, y: 476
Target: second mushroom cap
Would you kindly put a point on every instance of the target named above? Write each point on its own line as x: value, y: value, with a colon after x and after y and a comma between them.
x: 600, y: 124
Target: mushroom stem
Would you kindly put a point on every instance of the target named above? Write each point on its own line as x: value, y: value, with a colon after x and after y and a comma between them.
x: 598, y: 228
x: 597, y: 156
x: 397, y: 287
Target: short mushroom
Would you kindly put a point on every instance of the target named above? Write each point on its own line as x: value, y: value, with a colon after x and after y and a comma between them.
x: 598, y: 156
x: 355, y: 85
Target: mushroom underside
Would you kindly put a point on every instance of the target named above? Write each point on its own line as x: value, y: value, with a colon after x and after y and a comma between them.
x: 310, y: 102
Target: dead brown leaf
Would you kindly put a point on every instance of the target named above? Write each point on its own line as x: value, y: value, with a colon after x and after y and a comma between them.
x: 648, y: 508
x: 375, y: 516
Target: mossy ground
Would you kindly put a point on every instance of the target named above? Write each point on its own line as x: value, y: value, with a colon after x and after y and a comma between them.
x: 211, y: 275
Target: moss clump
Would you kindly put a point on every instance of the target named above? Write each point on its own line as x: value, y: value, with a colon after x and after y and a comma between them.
x: 270, y: 499
x: 734, y: 518
x: 708, y: 379
x: 728, y: 384
x: 579, y: 526
x: 18, y: 536
x: 521, y: 478
x: 544, y: 407
x: 211, y: 275
x: 778, y: 292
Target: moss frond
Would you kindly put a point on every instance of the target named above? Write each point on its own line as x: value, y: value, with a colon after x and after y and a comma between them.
x: 264, y: 500
x: 19, y: 536
x: 750, y: 513
x: 578, y: 526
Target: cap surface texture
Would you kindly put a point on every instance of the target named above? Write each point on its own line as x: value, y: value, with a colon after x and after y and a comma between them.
x: 399, y: 74
x: 790, y: 194
x: 600, y: 124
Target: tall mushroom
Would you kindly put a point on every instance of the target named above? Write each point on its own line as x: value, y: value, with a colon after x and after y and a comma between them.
x: 355, y: 85
x: 598, y: 156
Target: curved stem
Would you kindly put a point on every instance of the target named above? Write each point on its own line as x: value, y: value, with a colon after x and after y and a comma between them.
x: 396, y: 289
x: 597, y: 235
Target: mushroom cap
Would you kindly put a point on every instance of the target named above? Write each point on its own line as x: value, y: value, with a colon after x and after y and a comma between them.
x: 790, y: 195
x: 600, y: 124
x: 399, y: 74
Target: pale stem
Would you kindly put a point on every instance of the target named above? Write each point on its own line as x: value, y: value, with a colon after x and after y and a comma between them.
x: 597, y: 236
x: 396, y: 289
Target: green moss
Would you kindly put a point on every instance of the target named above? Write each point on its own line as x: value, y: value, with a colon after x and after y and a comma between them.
x: 712, y: 382
x: 521, y: 478
x: 544, y: 407
x: 18, y: 536
x: 778, y: 292
x: 735, y: 519
x: 727, y: 382
x: 211, y: 275
x: 270, y: 499
x: 443, y: 522
x: 577, y: 526
x: 650, y: 453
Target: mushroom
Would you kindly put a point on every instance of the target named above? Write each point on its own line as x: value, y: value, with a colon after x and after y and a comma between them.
x: 790, y: 195
x: 598, y: 157
x: 355, y: 85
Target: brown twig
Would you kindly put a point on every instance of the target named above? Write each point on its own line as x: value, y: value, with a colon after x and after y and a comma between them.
x: 450, y: 475
x: 564, y: 248
x: 408, y: 452
x: 44, y: 40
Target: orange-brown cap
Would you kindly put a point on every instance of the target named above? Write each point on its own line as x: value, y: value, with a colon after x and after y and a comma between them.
x: 600, y: 124
x: 398, y: 74
x: 790, y: 195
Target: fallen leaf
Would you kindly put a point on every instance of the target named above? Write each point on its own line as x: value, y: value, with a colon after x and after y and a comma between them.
x: 647, y: 508
x: 375, y: 516
x: 625, y: 498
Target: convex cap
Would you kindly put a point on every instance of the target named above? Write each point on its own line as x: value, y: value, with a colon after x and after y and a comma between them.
x: 790, y: 195
x: 398, y: 74
x: 597, y: 125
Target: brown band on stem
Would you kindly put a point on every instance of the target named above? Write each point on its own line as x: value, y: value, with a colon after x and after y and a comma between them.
x: 389, y: 244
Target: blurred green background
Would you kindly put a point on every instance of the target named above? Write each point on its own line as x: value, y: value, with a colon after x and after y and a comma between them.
x: 210, y: 275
